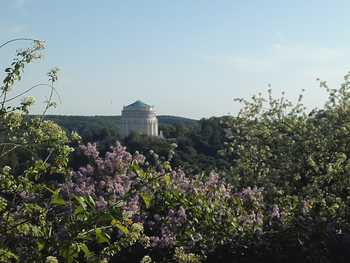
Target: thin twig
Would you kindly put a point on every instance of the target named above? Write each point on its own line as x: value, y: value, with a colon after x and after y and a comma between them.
x: 10, y: 150
x: 35, y: 86
x: 48, y: 156
x: 48, y: 102
x: 17, y: 39
x: 15, y: 145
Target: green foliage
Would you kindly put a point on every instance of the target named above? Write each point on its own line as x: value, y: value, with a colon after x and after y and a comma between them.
x: 197, y: 146
x: 198, y: 149
x: 301, y: 159
x: 37, y: 221
x: 286, y: 199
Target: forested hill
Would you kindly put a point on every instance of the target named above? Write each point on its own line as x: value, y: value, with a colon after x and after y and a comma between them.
x: 83, y: 124
x: 198, y: 141
x: 173, y: 120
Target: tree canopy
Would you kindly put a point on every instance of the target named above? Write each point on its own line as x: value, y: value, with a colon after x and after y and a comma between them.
x: 277, y: 187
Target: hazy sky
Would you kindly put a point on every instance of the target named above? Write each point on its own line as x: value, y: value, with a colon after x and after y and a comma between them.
x: 186, y: 57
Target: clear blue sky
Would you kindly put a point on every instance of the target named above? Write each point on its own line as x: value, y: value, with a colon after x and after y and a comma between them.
x: 186, y: 57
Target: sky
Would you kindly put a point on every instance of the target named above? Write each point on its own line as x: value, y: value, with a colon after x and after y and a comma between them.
x: 188, y: 58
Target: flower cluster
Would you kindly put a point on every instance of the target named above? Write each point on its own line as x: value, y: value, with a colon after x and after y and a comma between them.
x: 173, y: 207
x: 107, y: 179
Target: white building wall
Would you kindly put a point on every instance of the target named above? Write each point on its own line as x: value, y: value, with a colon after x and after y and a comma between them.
x: 143, y: 121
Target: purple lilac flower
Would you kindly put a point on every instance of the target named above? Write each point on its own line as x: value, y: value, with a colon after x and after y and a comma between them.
x: 133, y: 206
x: 166, y: 238
x: 90, y: 150
x: 213, y: 180
x: 101, y: 204
x: 107, y: 178
x: 176, y: 218
x: 181, y: 215
x: 275, y: 212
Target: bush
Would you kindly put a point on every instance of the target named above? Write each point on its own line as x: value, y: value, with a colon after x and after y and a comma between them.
x: 285, y: 198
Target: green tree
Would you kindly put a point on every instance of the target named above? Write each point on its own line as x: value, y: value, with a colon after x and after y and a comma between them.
x: 301, y: 159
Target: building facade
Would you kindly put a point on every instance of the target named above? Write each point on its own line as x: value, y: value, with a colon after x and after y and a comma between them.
x: 139, y: 117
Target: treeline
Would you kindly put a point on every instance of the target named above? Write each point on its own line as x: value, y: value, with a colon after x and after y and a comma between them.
x: 285, y: 197
x: 198, y: 142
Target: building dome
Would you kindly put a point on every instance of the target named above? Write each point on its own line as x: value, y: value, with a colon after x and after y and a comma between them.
x: 138, y: 105
x: 139, y: 117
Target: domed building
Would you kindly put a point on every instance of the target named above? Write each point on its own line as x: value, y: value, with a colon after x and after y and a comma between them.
x: 138, y: 117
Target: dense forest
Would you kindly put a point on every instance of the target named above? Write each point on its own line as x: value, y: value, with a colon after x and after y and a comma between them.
x: 90, y: 126
x: 271, y: 184
x: 198, y: 142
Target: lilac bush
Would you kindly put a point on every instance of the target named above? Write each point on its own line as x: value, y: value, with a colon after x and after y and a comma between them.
x: 176, y: 210
x: 108, y: 180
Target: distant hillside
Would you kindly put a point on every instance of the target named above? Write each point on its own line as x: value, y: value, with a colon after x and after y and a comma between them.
x: 198, y: 140
x: 82, y: 124
x: 173, y: 120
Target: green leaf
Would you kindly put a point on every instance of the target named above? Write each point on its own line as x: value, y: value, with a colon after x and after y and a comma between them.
x: 49, y: 189
x: 91, y: 202
x: 7, y: 256
x: 56, y: 199
x: 86, y: 250
x: 146, y: 199
x: 40, y: 245
x: 101, y: 237
x: 167, y: 179
x: 81, y: 201
x: 79, y: 211
x: 119, y: 225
